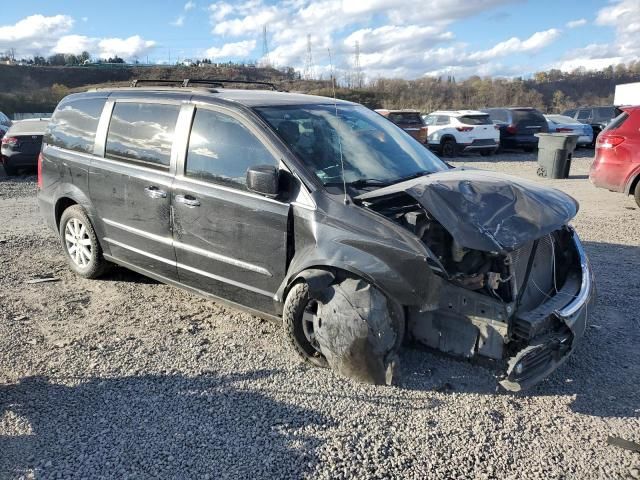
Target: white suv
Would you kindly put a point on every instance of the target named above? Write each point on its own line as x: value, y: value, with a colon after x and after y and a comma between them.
x: 453, y: 132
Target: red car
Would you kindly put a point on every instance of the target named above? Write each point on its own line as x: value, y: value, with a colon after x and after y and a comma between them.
x: 617, y: 163
x: 408, y: 120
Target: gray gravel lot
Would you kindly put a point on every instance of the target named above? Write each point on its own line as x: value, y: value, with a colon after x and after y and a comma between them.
x: 124, y: 377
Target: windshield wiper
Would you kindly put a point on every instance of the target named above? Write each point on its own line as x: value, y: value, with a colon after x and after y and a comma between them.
x: 409, y: 177
x: 368, y: 182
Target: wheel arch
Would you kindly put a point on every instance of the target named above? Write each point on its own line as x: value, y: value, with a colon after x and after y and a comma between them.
x: 69, y: 195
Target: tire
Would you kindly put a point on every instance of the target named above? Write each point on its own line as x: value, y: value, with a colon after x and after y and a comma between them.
x: 448, y: 148
x: 80, y: 243
x: 529, y: 149
x: 487, y: 153
x: 294, y: 331
x: 293, y: 323
x: 636, y: 193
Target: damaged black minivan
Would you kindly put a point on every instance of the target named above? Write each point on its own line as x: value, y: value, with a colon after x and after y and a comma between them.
x: 322, y: 215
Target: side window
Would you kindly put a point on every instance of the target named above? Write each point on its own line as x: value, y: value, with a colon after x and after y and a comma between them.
x: 221, y: 149
x: 74, y: 123
x: 442, y: 120
x: 142, y: 133
x: 498, y: 115
x: 583, y: 114
x: 431, y: 120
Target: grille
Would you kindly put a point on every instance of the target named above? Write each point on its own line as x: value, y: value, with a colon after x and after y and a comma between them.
x: 540, y: 282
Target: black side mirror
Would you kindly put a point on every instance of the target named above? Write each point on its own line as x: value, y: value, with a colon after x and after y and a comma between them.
x: 264, y: 179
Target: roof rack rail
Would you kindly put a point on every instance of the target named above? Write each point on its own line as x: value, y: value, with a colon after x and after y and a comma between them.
x: 215, y: 82
x: 138, y: 81
x: 221, y: 82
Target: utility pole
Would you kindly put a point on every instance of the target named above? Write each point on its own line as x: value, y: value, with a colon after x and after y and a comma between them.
x: 265, y: 47
x: 356, y: 66
x: 308, y: 61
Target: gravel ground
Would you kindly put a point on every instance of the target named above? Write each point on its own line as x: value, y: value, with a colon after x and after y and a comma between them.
x: 125, y: 377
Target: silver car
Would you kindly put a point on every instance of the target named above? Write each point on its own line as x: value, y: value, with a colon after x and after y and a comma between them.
x: 564, y: 124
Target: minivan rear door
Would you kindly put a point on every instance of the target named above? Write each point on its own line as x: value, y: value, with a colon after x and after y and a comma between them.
x: 131, y: 186
x: 228, y: 241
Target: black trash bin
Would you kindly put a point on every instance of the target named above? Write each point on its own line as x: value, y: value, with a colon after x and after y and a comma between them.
x: 554, y: 154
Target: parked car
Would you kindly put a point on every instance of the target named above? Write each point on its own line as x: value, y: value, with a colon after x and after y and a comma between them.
x: 5, y: 123
x: 616, y: 166
x: 453, y: 132
x: 21, y: 145
x: 597, y: 117
x: 322, y: 215
x: 518, y: 126
x: 563, y: 124
x: 408, y: 120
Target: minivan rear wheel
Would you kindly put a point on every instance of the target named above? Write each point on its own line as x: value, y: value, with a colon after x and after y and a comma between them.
x: 636, y: 193
x: 80, y: 243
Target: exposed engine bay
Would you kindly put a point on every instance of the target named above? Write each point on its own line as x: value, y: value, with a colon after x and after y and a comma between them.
x: 486, y: 299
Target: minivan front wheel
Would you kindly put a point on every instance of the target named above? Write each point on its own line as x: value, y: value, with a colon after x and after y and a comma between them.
x: 298, y: 316
x: 80, y: 243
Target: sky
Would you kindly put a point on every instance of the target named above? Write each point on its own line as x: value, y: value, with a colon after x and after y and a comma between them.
x: 396, y: 38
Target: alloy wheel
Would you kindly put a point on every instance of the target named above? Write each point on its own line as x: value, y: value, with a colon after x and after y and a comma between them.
x: 78, y: 242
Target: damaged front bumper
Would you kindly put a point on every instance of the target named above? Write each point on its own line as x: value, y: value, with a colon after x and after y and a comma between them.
x: 554, y: 328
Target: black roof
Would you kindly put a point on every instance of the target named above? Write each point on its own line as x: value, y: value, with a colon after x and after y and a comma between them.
x: 249, y: 98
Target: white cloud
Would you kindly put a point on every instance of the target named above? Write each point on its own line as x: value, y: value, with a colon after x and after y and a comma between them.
x: 75, y: 44
x: 178, y: 22
x: 35, y: 34
x: 576, y: 23
x: 38, y: 34
x: 229, y: 50
x: 534, y: 43
x: 190, y: 5
x: 624, y: 17
x: 127, y: 48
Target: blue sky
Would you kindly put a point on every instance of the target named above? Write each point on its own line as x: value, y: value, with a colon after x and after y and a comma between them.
x: 397, y: 38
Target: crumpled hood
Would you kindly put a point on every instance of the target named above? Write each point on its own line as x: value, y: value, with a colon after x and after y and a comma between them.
x: 487, y: 211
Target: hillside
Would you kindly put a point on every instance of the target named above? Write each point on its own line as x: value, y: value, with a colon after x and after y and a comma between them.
x: 39, y: 88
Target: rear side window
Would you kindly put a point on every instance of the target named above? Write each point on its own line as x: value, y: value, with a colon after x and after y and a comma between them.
x: 142, y: 133
x: 584, y: 114
x: 74, y: 123
x: 604, y: 113
x: 528, y: 117
x: 618, y: 121
x: 406, y: 118
x: 499, y: 115
x: 221, y: 150
x: 431, y: 119
x: 475, y: 120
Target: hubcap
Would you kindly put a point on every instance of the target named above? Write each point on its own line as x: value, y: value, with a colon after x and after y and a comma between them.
x: 76, y: 238
x: 308, y: 317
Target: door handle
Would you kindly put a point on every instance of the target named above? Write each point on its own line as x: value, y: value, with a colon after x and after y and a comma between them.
x: 154, y: 192
x: 188, y: 200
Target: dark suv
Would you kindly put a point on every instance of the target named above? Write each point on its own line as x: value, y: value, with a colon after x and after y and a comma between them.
x: 518, y: 126
x: 319, y: 214
x: 597, y: 117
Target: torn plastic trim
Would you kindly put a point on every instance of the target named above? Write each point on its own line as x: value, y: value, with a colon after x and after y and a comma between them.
x: 559, y: 344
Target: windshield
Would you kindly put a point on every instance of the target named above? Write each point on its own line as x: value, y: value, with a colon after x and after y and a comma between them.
x: 375, y: 152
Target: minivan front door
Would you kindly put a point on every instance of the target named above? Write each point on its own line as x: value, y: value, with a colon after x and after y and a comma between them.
x: 131, y: 186
x: 228, y: 241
